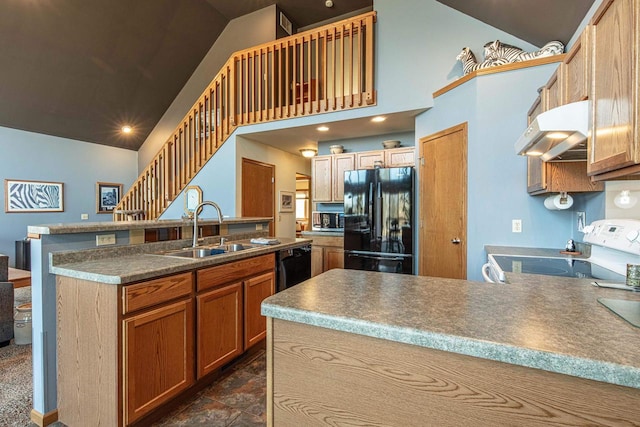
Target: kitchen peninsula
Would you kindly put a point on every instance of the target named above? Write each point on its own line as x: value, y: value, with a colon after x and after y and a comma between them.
x: 366, y: 348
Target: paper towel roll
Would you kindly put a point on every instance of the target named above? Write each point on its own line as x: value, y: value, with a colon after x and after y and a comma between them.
x: 558, y: 202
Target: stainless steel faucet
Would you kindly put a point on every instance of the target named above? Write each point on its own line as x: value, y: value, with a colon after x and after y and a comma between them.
x: 195, y: 218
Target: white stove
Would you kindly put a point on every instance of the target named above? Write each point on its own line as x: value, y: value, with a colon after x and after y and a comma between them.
x: 614, y: 244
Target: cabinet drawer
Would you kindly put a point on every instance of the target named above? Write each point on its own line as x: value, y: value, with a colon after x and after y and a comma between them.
x: 156, y: 291
x: 237, y: 270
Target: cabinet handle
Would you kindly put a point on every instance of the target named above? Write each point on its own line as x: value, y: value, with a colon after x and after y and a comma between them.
x: 455, y: 241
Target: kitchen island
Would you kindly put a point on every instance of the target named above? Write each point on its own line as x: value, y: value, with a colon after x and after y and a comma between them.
x: 140, y: 329
x: 129, y: 237
x: 383, y: 349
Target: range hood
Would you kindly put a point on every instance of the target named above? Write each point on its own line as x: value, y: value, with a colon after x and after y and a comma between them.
x: 559, y: 134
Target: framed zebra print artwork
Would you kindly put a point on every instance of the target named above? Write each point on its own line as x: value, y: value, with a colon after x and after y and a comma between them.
x: 108, y: 196
x: 33, y: 196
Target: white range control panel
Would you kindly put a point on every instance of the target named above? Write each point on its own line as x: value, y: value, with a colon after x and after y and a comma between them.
x: 619, y: 234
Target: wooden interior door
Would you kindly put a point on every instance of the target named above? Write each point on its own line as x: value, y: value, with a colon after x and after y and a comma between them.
x: 258, y: 199
x: 443, y: 204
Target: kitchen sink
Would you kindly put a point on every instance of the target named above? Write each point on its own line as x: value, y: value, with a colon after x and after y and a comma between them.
x: 207, y: 251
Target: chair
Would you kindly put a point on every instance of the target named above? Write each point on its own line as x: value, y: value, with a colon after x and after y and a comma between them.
x: 6, y: 313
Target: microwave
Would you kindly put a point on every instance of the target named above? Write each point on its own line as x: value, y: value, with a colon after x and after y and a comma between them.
x: 327, y: 221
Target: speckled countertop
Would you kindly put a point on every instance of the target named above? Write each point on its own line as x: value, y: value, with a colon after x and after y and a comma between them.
x: 123, y: 265
x: 89, y: 227
x: 554, y: 324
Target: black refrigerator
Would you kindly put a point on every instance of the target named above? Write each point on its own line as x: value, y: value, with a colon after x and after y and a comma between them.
x: 378, y: 220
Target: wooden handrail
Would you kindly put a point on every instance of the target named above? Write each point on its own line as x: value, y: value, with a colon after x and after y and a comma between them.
x: 321, y: 70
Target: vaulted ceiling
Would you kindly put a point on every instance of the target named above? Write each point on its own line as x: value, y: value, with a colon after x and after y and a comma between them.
x: 82, y: 69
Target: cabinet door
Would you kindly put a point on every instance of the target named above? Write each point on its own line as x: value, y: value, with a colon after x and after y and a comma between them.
x: 367, y: 159
x: 256, y: 290
x: 535, y: 166
x: 317, y: 260
x: 333, y: 258
x: 398, y: 157
x: 341, y: 163
x: 219, y: 327
x: 613, y: 66
x: 554, y: 89
x: 536, y: 176
x: 158, y: 357
x: 321, y: 168
x: 576, y: 70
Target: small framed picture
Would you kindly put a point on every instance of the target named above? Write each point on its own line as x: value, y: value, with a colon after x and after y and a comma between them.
x: 108, y: 196
x: 33, y: 196
x: 287, y: 199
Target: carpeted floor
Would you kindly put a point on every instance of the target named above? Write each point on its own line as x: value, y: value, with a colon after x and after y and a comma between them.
x: 16, y: 385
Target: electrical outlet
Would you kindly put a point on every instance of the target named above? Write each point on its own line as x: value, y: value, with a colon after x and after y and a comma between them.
x: 516, y: 226
x: 84, y: 216
x: 516, y: 266
x: 105, y: 239
x: 582, y: 220
x: 258, y: 227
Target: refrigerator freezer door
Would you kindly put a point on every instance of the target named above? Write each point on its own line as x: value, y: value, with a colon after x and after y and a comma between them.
x: 387, y: 263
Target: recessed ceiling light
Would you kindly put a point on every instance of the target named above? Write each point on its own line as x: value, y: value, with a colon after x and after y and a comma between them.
x: 127, y: 129
x: 378, y: 119
x: 323, y: 128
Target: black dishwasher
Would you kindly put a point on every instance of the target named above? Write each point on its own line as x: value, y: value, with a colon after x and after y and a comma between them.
x: 294, y: 266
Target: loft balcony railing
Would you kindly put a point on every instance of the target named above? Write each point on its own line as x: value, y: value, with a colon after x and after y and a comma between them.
x: 318, y: 71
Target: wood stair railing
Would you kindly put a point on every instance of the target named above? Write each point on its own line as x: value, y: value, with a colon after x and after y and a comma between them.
x: 318, y: 71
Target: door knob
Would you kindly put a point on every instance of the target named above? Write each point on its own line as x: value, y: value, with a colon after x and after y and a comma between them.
x: 455, y: 241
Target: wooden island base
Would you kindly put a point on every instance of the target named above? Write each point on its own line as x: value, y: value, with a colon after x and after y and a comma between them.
x: 318, y: 376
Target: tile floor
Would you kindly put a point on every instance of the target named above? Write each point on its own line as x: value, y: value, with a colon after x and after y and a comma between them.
x: 236, y: 399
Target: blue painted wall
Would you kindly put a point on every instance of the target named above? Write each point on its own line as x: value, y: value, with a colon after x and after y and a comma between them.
x: 79, y: 165
x: 495, y: 107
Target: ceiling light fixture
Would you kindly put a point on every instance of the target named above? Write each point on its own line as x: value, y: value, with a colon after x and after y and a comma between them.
x: 308, y: 152
x: 322, y: 128
x: 127, y: 129
x: 328, y: 3
x: 378, y: 119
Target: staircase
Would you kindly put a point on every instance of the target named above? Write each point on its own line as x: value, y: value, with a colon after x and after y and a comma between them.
x: 323, y: 70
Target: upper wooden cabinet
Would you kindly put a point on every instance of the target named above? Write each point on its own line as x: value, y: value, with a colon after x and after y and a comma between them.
x: 369, y: 159
x: 576, y: 70
x: 554, y: 90
x: 399, y: 157
x: 613, y: 151
x: 328, y: 171
x: 322, y: 178
x: 555, y: 177
x: 341, y: 163
x: 328, y: 176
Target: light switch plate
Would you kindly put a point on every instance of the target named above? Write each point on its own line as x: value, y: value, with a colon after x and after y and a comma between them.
x: 105, y: 239
x: 516, y: 226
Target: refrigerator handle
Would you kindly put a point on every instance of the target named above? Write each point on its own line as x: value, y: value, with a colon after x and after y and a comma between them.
x: 371, y: 208
x: 378, y: 214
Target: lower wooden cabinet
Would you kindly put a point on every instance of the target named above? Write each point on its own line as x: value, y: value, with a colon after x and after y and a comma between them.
x: 327, y: 252
x: 158, y: 357
x: 219, y: 327
x: 256, y: 289
x: 124, y: 351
